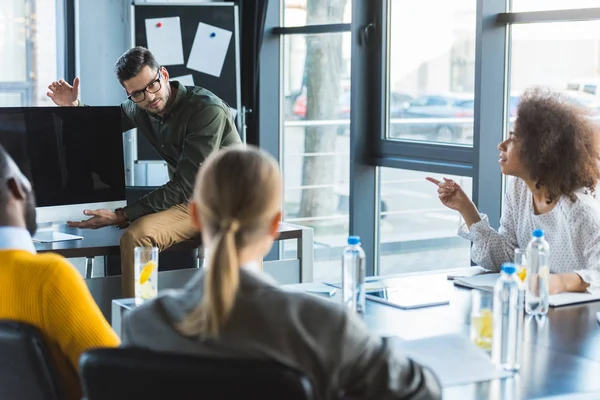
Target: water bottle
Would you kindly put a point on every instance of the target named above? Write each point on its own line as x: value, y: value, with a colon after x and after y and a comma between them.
x: 507, y: 321
x: 353, y: 276
x: 537, y: 281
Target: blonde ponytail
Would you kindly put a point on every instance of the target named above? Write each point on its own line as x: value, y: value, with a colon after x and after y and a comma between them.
x: 236, y: 200
x: 221, y: 283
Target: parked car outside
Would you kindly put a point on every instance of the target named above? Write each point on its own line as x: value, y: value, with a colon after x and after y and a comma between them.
x: 444, y: 118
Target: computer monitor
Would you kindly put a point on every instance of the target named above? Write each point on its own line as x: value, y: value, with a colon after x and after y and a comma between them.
x: 73, y: 157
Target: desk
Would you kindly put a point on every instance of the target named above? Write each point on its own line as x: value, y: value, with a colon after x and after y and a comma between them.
x: 105, y: 241
x: 561, y: 355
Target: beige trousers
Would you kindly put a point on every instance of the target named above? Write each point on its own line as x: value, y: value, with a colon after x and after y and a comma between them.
x: 162, y: 230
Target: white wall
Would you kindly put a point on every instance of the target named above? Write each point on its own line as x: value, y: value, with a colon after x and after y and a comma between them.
x: 104, y: 34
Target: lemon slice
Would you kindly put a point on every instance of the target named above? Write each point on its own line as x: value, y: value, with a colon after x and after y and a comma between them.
x: 147, y: 271
x: 147, y: 291
x: 522, y: 274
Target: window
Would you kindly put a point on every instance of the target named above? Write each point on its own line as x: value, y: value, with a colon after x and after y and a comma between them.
x: 431, y: 61
x: 315, y: 140
x: 417, y: 232
x: 559, y: 56
x: 30, y: 44
x: 542, y: 5
x: 323, y: 12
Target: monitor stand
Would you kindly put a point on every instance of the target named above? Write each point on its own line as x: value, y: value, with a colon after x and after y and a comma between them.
x: 47, y: 233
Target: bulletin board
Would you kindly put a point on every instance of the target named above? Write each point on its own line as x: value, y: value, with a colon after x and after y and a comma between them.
x: 198, y: 43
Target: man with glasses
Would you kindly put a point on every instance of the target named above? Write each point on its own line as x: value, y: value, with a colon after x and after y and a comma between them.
x: 184, y: 125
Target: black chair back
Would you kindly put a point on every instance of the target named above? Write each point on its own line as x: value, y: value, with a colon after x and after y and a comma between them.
x: 27, y: 370
x: 131, y: 373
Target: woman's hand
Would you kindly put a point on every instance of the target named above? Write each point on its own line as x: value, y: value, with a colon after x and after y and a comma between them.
x: 452, y: 196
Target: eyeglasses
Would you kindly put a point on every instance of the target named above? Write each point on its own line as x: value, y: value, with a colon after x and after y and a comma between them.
x: 153, y: 87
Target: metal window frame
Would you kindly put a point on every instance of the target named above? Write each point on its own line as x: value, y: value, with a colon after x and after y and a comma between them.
x: 567, y: 15
x: 66, y: 34
x: 311, y: 29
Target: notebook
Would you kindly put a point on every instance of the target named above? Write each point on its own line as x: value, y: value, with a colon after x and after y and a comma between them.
x: 487, y: 282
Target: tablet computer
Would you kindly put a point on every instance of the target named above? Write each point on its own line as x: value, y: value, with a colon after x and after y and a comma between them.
x: 408, y: 292
x: 409, y: 299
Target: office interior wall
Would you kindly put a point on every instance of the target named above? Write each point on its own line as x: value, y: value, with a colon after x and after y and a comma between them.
x: 103, y: 34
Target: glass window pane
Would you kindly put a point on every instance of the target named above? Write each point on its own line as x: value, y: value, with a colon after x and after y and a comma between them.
x: 315, y: 143
x: 562, y: 56
x: 29, y: 43
x: 13, y: 41
x: 431, y: 60
x: 316, y: 12
x: 417, y: 232
x: 543, y: 5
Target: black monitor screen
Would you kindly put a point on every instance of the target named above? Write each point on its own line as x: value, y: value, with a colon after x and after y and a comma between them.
x: 71, y: 155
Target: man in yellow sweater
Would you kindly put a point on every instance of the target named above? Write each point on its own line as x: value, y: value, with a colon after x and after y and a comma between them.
x: 44, y: 290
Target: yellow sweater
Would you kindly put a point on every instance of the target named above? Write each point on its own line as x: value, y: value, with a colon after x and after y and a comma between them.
x: 45, y: 290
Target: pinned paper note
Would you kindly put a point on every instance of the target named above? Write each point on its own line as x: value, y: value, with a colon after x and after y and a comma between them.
x: 186, y: 80
x: 209, y: 49
x: 164, y: 40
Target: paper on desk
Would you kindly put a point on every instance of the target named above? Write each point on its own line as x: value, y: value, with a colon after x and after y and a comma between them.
x: 453, y: 358
x: 487, y: 282
x: 164, y: 40
x: 209, y: 49
x: 186, y: 80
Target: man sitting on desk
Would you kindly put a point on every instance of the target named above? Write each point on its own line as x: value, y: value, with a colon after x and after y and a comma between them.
x: 184, y: 126
x: 44, y: 290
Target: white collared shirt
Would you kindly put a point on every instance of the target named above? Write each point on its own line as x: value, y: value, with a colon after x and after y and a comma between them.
x: 13, y: 238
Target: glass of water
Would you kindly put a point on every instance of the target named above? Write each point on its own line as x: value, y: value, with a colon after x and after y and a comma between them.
x: 481, y: 318
x: 521, y: 263
x: 146, y: 272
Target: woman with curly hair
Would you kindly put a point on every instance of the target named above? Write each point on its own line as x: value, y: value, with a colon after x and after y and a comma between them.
x: 552, y: 160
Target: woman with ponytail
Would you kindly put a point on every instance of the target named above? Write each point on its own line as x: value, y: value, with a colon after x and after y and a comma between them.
x: 230, y: 308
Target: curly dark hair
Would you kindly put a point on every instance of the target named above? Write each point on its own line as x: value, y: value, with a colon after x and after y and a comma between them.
x: 560, y: 143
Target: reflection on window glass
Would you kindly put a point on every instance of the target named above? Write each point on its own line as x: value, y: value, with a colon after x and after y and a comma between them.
x: 315, y: 143
x: 417, y: 232
x: 432, y: 70
x: 316, y: 12
x: 543, y: 5
x: 29, y: 42
x: 559, y: 56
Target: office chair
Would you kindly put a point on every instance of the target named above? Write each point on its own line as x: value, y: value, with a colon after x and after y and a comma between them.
x: 132, y: 373
x: 27, y: 370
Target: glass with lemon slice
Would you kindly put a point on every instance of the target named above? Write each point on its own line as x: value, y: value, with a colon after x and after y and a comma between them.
x: 481, y: 318
x: 145, y: 272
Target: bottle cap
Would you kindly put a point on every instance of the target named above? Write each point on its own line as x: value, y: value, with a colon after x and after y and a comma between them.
x: 538, y: 233
x: 353, y: 240
x: 509, y: 268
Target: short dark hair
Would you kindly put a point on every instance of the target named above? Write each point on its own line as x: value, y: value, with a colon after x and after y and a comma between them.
x: 133, y: 61
x: 560, y: 143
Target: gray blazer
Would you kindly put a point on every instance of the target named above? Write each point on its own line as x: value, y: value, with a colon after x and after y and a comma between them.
x: 315, y: 335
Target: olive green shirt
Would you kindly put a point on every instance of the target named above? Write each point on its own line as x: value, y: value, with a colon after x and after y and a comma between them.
x: 194, y: 125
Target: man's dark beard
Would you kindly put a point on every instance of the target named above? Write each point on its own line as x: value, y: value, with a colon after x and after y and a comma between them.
x: 30, y: 215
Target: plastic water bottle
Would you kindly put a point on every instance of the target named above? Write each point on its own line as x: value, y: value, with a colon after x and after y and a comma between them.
x: 353, y: 276
x: 507, y: 321
x: 537, y: 281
